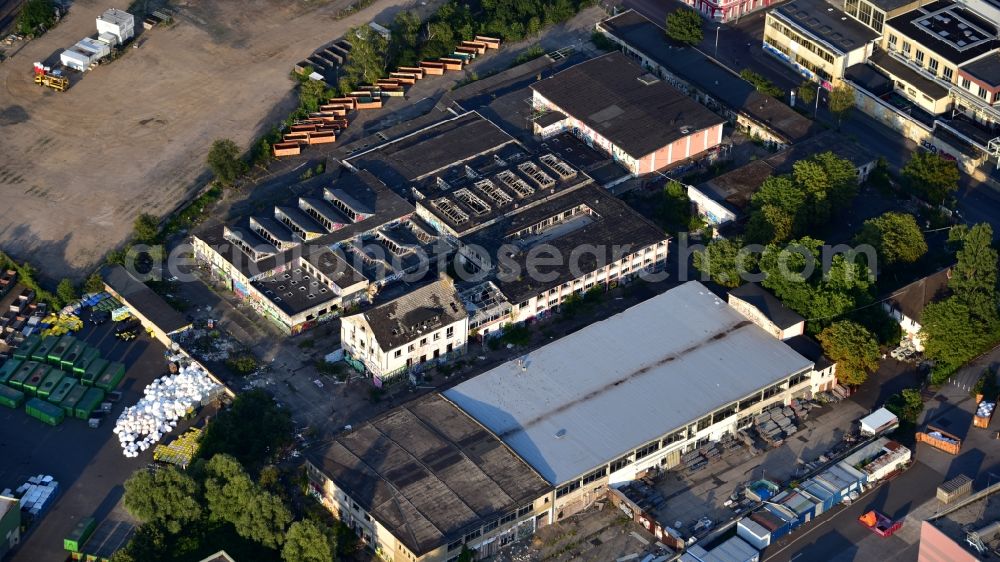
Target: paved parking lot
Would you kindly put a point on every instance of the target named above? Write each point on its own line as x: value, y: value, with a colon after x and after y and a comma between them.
x: 87, y: 463
x: 703, y: 495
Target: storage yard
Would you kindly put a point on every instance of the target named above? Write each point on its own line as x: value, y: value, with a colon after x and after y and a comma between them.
x: 208, y: 76
x: 87, y: 462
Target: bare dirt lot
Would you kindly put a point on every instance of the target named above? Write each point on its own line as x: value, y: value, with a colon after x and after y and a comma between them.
x: 77, y: 167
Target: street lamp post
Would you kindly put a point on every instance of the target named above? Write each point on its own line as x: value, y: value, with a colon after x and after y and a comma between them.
x: 816, y: 111
x: 717, y: 28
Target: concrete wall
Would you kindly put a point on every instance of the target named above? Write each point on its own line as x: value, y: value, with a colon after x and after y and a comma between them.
x: 757, y: 317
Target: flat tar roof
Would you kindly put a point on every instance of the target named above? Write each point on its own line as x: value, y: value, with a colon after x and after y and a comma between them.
x: 986, y: 69
x: 619, y: 100
x: 432, y: 148
x: 427, y: 472
x: 594, y: 395
x: 886, y: 62
x: 950, y: 31
x: 828, y: 22
x: 144, y: 300
x: 644, y: 36
x: 610, y: 223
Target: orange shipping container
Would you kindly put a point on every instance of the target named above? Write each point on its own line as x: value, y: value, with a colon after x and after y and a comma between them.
x: 432, y: 68
x: 479, y: 46
x: 404, y: 78
x: 417, y: 71
x: 322, y: 138
x: 491, y: 42
x: 371, y: 103
x: 287, y: 149
x: 348, y: 101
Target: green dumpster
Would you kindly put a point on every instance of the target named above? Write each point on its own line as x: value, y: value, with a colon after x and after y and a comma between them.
x: 111, y: 377
x: 9, y: 397
x: 41, y: 353
x: 61, y: 391
x: 86, y: 357
x: 69, y: 403
x: 60, y: 349
x: 22, y: 373
x: 29, y: 345
x: 35, y: 379
x: 45, y: 412
x: 50, y: 382
x: 8, y: 369
x: 72, y: 355
x: 93, y: 371
x: 78, y: 536
x: 90, y: 401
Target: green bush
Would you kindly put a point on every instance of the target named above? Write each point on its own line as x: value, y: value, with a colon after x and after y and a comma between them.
x: 35, y: 15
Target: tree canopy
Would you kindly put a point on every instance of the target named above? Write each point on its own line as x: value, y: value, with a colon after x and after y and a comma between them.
x: 965, y: 324
x: 306, y: 541
x: 225, y: 162
x: 930, y: 176
x: 896, y: 238
x: 722, y: 262
x: 790, y: 205
x: 684, y: 26
x: 368, y: 61
x: 853, y: 348
x: 907, y: 405
x: 66, y: 291
x: 233, y: 497
x: 252, y: 430
x: 820, y: 296
x: 166, y: 497
x: 841, y: 101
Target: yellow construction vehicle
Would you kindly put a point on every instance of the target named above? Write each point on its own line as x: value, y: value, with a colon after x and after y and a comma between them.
x: 45, y: 77
x: 57, y: 83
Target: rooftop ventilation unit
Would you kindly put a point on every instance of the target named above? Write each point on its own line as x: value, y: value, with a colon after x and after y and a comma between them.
x: 497, y: 195
x: 470, y: 173
x: 563, y: 170
x: 499, y: 161
x: 543, y: 180
x: 516, y: 184
x: 441, y: 184
x: 450, y: 210
x: 478, y: 206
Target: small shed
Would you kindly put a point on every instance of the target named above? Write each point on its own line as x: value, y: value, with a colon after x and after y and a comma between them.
x: 956, y: 488
x: 879, y: 421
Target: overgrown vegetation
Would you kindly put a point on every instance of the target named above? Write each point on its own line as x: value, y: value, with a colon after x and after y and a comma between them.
x: 243, y: 364
x: 27, y: 275
x: 253, y: 430
x: 841, y: 101
x: 685, y: 26
x: 35, y: 17
x: 896, y: 237
x: 762, y: 84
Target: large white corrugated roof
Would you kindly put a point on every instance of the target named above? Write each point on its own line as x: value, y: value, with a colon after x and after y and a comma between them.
x: 592, y: 396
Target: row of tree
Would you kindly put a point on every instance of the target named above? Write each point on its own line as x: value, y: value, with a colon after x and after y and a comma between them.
x: 960, y: 327
x: 412, y: 40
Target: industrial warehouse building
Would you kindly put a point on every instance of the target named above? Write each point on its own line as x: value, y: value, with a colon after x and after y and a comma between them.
x: 616, y: 105
x: 318, y: 253
x: 541, y: 437
x: 424, y: 479
x: 486, y: 193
